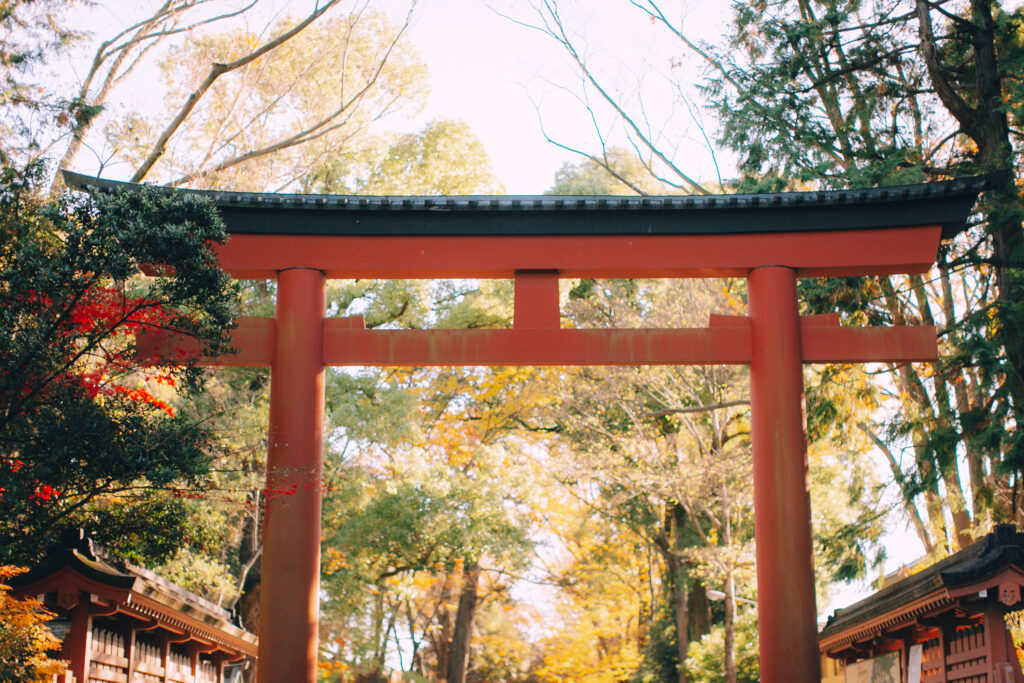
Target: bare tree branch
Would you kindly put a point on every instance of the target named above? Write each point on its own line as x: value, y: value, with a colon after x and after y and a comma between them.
x: 697, y: 409
x: 216, y: 71
x: 147, y: 33
x: 314, y: 131
x: 553, y: 26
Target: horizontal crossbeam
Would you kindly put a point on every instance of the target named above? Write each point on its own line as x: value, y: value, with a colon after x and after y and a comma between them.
x: 839, y: 253
x: 727, y: 341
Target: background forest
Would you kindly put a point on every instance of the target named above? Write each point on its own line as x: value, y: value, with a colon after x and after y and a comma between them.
x: 496, y: 524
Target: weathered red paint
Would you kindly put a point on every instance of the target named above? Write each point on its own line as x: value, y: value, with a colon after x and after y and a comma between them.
x: 782, y: 505
x: 290, y: 573
x: 535, y: 304
x: 726, y: 341
x: 851, y: 252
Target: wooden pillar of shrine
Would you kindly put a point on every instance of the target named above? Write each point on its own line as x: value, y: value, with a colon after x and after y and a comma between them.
x: 782, y: 505
x: 290, y: 574
x: 77, y: 646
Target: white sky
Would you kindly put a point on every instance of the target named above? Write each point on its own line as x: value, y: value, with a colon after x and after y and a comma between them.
x: 480, y: 65
x: 505, y: 79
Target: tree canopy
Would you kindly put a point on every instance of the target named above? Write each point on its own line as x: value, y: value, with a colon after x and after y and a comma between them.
x: 87, y: 435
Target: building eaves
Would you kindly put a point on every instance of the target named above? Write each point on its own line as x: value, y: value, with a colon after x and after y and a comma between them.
x: 77, y: 552
x: 982, y: 559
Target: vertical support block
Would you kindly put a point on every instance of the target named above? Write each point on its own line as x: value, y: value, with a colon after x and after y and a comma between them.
x: 536, y: 300
x: 290, y: 575
x: 193, y: 660
x: 782, y: 504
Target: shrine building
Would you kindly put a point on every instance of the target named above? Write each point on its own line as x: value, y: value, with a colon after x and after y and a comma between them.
x: 943, y: 624
x: 119, y: 623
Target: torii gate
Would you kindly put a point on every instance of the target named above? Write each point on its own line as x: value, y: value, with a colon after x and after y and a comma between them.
x: 770, y: 239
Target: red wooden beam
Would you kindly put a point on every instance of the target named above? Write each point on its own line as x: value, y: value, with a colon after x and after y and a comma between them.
x: 725, y: 342
x: 535, y: 347
x: 253, y: 338
x: 810, y: 254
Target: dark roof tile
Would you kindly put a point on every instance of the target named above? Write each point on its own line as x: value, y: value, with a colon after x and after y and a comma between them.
x: 942, y: 203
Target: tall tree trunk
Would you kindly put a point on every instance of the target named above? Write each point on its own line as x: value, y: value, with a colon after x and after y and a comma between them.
x: 699, y: 609
x: 730, y: 591
x: 440, y: 637
x: 379, y: 633
x: 730, y: 627
x: 458, y: 653
x: 677, y: 579
x: 986, y: 123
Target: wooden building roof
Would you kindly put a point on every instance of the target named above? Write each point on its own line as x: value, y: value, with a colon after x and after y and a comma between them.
x: 992, y: 566
x: 75, y: 567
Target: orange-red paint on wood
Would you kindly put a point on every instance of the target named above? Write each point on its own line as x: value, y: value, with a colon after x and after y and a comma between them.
x: 840, y: 253
x: 726, y: 342
x: 290, y: 570
x: 786, y: 611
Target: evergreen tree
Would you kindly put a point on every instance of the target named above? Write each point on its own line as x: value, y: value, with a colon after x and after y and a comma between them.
x: 88, y: 436
x: 852, y: 94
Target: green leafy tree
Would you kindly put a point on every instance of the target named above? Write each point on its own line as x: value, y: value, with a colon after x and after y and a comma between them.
x: 615, y: 171
x: 917, y: 91
x: 425, y: 489
x: 703, y: 665
x: 445, y: 158
x: 88, y: 436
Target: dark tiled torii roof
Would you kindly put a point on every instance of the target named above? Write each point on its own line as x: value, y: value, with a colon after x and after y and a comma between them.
x: 982, y: 559
x: 941, y: 203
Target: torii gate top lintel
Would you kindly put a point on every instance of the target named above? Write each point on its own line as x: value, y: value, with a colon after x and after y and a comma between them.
x: 770, y: 239
x: 826, y: 233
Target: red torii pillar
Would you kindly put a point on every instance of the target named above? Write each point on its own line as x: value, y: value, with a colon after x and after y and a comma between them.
x: 773, y: 340
x: 290, y: 570
x: 787, y: 619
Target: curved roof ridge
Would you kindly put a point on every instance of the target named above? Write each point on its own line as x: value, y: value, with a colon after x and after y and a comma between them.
x: 967, y: 185
x: 946, y: 203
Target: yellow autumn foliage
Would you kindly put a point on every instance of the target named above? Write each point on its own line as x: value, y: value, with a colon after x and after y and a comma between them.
x: 24, y: 639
